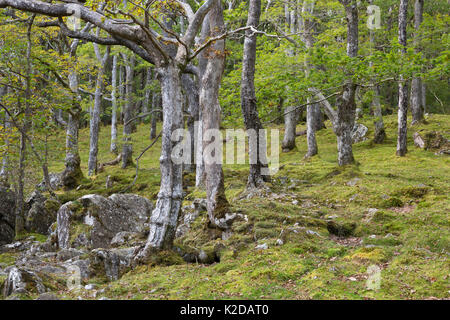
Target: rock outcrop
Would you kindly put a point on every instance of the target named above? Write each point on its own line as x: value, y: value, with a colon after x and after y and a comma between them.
x: 22, y: 281
x: 41, y: 213
x: 432, y: 141
x: 359, y: 133
x: 93, y: 221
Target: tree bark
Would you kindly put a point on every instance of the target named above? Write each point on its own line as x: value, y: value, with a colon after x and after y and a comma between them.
x: 380, y: 133
x: 191, y: 89
x: 217, y: 204
x: 95, y: 114
x: 155, y: 115
x: 313, y: 113
x: 72, y: 173
x: 20, y: 206
x: 249, y: 107
x: 403, y: 86
x: 346, y: 107
x: 164, y: 217
x: 127, y: 148
x: 113, y: 147
x: 4, y: 172
x: 202, y: 63
x: 290, y: 125
x: 417, y: 105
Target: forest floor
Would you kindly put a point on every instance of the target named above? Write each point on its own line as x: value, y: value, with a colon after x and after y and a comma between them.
x: 377, y: 230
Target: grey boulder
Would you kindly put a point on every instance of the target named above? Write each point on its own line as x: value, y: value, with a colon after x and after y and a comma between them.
x: 93, y: 220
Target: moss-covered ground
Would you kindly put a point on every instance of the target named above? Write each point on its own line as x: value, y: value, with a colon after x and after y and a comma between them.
x: 405, y: 243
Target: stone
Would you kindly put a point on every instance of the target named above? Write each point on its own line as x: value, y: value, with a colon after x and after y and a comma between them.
x: 93, y: 221
x: 263, y: 246
x: 90, y: 286
x: 111, y: 263
x: 47, y: 296
x: 7, y: 215
x: 55, y: 182
x: 127, y: 238
x: 353, y: 182
x: 418, y: 141
x: 189, y: 214
x: 359, y: 133
x: 69, y: 253
x: 41, y: 214
x: 22, y: 281
x: 82, y: 265
x: 432, y: 140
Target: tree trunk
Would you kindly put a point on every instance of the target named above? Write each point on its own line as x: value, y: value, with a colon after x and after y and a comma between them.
x: 217, y: 204
x: 192, y: 92
x: 95, y: 115
x: 147, y: 93
x: 380, y: 133
x: 248, y: 100
x: 290, y: 125
x: 113, y: 147
x: 402, y: 87
x: 4, y: 173
x: 346, y: 107
x: 164, y: 217
x: 417, y: 106
x: 202, y: 63
x: 313, y: 113
x: 127, y: 149
x: 155, y: 115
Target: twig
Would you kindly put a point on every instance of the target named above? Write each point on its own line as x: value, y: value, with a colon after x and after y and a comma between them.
x: 137, y: 163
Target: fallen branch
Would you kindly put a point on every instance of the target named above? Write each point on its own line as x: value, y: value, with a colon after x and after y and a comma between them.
x: 137, y: 164
x: 114, y: 162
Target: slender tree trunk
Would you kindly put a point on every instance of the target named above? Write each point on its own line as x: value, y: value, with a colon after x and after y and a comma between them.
x: 121, y: 92
x: 417, y: 106
x: 20, y: 213
x: 217, y: 204
x: 290, y: 125
x: 403, y: 86
x: 148, y: 92
x: 113, y: 147
x: 202, y: 63
x: 346, y: 107
x: 155, y: 115
x: 380, y: 133
x: 4, y: 172
x: 192, y: 92
x: 72, y: 173
x: 127, y: 149
x: 248, y: 99
x: 95, y: 115
x: 164, y: 217
x: 313, y: 112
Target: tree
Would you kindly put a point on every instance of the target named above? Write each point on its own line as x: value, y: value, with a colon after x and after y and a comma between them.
x: 128, y: 111
x: 417, y: 102
x: 248, y: 99
x: 95, y: 114
x: 346, y: 107
x: 113, y: 147
x: 402, y: 86
x: 217, y: 204
x: 312, y: 110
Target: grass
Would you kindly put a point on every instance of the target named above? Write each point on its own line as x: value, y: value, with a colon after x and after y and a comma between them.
x: 408, y: 238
